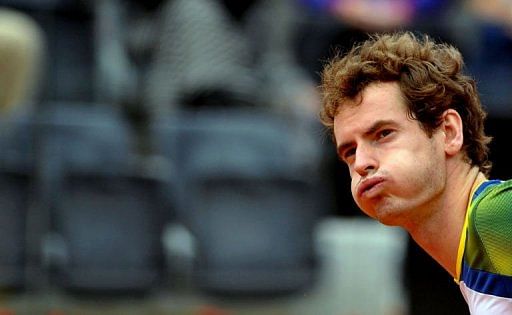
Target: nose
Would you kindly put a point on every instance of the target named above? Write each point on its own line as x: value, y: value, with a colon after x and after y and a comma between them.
x: 365, y: 160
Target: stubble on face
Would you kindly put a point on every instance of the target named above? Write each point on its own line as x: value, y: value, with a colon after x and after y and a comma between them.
x: 411, y: 165
x: 413, y: 197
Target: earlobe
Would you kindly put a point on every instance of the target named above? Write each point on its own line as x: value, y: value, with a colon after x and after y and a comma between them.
x: 453, y: 131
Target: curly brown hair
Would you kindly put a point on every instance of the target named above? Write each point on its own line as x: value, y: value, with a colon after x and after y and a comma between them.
x: 430, y: 78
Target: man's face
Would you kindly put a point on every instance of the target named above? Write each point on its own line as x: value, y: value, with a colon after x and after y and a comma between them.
x: 398, y: 173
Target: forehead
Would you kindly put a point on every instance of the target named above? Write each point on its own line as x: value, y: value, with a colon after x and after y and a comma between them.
x: 378, y: 101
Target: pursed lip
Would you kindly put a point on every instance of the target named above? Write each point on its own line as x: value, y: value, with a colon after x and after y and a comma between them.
x: 368, y: 184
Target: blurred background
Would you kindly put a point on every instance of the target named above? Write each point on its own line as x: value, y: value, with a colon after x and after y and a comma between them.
x: 165, y: 157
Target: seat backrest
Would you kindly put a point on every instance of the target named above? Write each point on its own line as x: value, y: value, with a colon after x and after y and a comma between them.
x: 85, y: 138
x: 246, y: 196
x: 106, y: 211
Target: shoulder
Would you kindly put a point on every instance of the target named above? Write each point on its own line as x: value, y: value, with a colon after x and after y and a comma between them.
x: 490, y: 227
x: 486, y: 280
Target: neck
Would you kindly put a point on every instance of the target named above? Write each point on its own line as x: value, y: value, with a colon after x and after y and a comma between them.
x: 439, y: 234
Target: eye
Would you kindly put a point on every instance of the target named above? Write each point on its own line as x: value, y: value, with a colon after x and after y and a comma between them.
x: 348, y: 154
x: 384, y: 133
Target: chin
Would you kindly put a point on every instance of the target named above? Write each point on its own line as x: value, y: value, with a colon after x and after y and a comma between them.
x: 389, y: 217
x: 383, y: 211
x: 385, y: 215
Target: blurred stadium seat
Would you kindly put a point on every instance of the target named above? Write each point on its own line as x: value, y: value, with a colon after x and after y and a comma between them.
x: 104, y: 209
x: 246, y: 191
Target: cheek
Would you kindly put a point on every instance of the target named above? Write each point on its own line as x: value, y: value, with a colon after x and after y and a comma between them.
x: 405, y: 161
x: 413, y: 171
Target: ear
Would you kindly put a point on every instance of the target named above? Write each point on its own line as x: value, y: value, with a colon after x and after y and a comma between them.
x: 453, y: 132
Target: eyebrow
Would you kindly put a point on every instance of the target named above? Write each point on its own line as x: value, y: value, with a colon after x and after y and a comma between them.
x: 371, y: 130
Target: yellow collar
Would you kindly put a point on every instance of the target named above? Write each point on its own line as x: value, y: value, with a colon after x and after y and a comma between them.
x: 462, y: 241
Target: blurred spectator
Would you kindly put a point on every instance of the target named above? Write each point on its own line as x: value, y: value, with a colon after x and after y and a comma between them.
x: 492, y: 65
x: 220, y: 53
x: 284, y: 84
x: 494, y: 11
x: 201, y: 57
x: 21, y: 53
x: 373, y: 15
x: 335, y: 25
